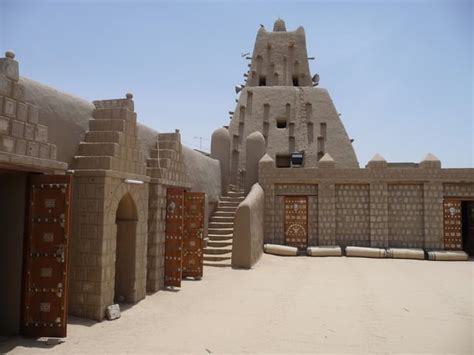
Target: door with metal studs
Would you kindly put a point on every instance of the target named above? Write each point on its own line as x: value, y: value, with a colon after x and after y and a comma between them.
x: 296, y: 221
x: 184, y: 235
x: 45, y: 281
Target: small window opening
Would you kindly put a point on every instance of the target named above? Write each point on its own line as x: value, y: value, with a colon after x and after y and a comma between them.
x: 283, y: 160
x: 295, y: 81
x: 281, y: 123
x: 262, y: 81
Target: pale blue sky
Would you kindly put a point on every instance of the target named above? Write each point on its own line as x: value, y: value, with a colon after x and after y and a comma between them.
x: 400, y: 72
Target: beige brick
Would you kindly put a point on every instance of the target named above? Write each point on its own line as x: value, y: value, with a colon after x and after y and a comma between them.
x: 52, y: 152
x: 32, y: 149
x: 20, y: 147
x: 7, y: 144
x: 18, y: 91
x: 18, y: 129
x: 41, y: 134
x: 9, y: 108
x: 9, y: 68
x: 102, y: 114
x: 22, y: 112
x: 5, y: 85
x: 4, y: 125
x: 33, y: 114
x: 105, y: 137
x: 107, y: 125
x: 97, y: 149
x: 29, y: 132
x: 44, y: 151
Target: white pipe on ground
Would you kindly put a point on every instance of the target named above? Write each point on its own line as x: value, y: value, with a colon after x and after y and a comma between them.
x: 282, y: 250
x: 366, y: 252
x: 324, y: 251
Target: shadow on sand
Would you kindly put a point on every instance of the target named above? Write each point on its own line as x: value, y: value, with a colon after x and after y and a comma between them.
x: 7, y: 344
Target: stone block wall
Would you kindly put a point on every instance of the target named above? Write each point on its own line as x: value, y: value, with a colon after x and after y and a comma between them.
x: 166, y: 168
x: 352, y: 215
x: 378, y: 206
x: 20, y: 133
x: 109, y: 168
x: 405, y: 216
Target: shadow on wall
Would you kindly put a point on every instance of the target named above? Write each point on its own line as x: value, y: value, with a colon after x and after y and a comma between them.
x: 248, y: 230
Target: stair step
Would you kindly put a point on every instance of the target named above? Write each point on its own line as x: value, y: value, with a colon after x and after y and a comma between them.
x: 236, y: 193
x: 217, y: 251
x: 222, y: 263
x: 219, y: 219
x: 220, y: 230
x: 222, y: 257
x: 215, y: 237
x: 228, y: 204
x: 223, y: 213
x: 221, y: 225
x: 219, y: 243
x: 232, y: 198
x: 226, y: 209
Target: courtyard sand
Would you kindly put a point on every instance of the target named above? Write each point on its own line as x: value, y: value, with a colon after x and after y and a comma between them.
x: 289, y: 305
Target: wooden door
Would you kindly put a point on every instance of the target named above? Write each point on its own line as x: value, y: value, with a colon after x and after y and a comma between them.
x: 174, y: 237
x: 452, y: 224
x: 296, y: 221
x: 193, y: 234
x: 45, y: 281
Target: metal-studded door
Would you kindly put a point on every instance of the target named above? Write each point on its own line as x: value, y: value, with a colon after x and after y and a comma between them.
x: 193, y: 234
x: 174, y: 237
x: 296, y: 221
x: 452, y: 224
x: 45, y: 281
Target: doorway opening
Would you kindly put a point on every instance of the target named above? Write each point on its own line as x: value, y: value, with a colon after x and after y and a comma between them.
x: 126, y: 221
x: 13, y: 190
x: 467, y: 210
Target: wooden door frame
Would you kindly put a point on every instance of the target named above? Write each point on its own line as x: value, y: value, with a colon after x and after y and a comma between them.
x: 26, y: 248
x: 284, y: 217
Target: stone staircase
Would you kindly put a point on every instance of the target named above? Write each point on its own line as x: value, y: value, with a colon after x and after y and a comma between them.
x: 221, y: 228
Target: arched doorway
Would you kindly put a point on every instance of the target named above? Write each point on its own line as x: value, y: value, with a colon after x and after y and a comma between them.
x: 126, y: 221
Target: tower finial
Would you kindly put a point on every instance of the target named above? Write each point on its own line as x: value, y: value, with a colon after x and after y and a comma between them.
x: 279, y: 25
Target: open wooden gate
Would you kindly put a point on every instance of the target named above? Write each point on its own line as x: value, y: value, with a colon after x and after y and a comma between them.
x: 184, y: 235
x: 193, y: 234
x: 45, y: 281
x: 296, y: 221
x: 452, y: 224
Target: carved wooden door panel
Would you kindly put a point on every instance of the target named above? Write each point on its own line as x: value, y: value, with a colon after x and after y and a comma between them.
x: 174, y: 237
x: 296, y: 221
x: 452, y: 224
x: 45, y: 281
x: 193, y: 234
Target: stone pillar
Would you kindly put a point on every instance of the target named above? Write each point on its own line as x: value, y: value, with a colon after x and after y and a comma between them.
x: 433, y: 215
x: 327, y: 214
x: 433, y: 204
x: 254, y: 151
x: 327, y: 204
x: 378, y: 215
x: 379, y: 233
x: 220, y: 150
x: 266, y: 167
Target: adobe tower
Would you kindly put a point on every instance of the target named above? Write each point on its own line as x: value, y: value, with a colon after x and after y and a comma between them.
x: 281, y: 101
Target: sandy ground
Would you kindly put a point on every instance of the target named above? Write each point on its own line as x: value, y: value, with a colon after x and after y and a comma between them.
x: 290, y: 305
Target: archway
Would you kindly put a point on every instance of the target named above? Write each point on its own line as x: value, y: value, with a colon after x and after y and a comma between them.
x: 126, y: 221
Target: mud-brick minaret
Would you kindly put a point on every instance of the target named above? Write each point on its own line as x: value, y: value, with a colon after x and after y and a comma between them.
x: 280, y: 100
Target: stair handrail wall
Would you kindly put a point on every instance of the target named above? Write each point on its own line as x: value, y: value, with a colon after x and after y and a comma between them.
x: 247, y: 245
